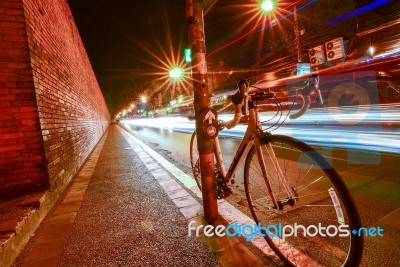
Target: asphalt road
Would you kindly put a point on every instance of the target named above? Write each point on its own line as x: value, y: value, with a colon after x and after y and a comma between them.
x: 372, y: 177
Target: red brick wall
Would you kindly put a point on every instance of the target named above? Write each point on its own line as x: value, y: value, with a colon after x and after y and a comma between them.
x: 50, y: 101
x: 22, y: 161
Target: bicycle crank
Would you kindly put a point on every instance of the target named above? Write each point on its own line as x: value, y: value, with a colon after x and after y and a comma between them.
x: 223, y: 191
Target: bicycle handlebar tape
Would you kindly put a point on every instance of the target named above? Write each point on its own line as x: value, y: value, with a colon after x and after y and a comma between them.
x: 236, y: 119
x: 304, y: 108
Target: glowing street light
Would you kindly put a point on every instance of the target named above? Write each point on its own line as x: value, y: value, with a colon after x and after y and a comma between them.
x: 144, y: 99
x: 176, y: 73
x: 371, y: 51
x: 267, y: 5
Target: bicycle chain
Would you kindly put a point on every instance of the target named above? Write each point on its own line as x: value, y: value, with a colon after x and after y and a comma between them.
x: 223, y: 191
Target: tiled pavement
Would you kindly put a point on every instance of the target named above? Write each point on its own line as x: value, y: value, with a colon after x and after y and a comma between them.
x: 60, y: 241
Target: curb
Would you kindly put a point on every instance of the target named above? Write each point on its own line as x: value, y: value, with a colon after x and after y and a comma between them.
x: 39, y: 204
x: 15, y: 235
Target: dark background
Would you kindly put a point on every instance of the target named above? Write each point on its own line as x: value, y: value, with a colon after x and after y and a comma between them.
x: 127, y: 40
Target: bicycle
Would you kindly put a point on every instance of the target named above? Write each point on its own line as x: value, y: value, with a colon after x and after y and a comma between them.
x: 287, y: 182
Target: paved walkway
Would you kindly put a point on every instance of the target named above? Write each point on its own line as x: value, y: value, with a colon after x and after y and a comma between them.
x: 125, y: 209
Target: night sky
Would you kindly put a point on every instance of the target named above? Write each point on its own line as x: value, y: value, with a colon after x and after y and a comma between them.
x: 126, y: 40
x: 118, y: 36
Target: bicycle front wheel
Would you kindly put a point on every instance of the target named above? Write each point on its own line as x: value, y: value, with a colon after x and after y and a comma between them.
x: 309, y: 217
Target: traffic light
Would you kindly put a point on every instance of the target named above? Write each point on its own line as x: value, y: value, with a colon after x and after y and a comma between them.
x: 188, y: 55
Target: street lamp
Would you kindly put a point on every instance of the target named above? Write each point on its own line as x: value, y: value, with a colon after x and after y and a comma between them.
x: 267, y: 5
x: 176, y: 73
x: 371, y: 51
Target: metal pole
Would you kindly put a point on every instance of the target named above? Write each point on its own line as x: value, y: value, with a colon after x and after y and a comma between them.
x: 196, y: 34
x: 297, y: 35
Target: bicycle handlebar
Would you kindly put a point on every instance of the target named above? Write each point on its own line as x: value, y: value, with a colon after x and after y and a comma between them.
x: 237, y: 99
x: 243, y: 96
x: 305, y: 92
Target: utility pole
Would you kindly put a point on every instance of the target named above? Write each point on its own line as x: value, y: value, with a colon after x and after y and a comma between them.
x: 297, y: 35
x: 194, y: 12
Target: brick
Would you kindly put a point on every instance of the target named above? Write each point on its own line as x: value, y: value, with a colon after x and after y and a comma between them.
x: 9, y: 110
x: 6, y: 45
x: 8, y: 129
x: 16, y: 12
x: 26, y: 97
x: 7, y: 18
x: 9, y: 122
x: 9, y: 4
x: 28, y: 128
x: 20, y: 77
x: 29, y: 122
x: 17, y: 65
x: 7, y: 24
x: 27, y: 115
x: 28, y: 109
x: 8, y: 142
x: 33, y: 134
x: 21, y: 90
x: 11, y: 148
x: 23, y: 103
x: 8, y: 31
x: 15, y: 52
x: 14, y: 38
x: 8, y: 85
x: 20, y: 19
x: 33, y: 145
x: 26, y: 71
x: 19, y: 45
x: 4, y: 104
x: 11, y: 135
x: 15, y: 155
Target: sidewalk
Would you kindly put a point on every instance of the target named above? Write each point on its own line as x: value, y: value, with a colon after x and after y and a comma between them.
x: 124, y: 208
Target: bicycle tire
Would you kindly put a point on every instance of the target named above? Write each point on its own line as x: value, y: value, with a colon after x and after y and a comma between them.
x: 195, y: 160
x: 311, y: 179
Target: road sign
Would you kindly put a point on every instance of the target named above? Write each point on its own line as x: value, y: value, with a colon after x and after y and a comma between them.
x: 210, y: 123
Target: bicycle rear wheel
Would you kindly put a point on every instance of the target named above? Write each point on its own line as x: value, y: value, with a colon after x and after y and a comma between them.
x: 195, y: 159
x: 312, y: 223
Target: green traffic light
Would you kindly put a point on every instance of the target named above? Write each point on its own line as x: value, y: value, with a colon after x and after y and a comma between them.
x: 267, y: 5
x: 188, y: 55
x: 176, y: 73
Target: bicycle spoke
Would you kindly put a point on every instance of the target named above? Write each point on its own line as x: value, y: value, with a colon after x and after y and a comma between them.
x: 308, y: 204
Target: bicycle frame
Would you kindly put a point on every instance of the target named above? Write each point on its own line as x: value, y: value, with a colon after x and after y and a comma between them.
x: 253, y: 133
